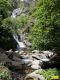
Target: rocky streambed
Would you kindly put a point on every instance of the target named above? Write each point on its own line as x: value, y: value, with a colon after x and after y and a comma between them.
x: 22, y: 62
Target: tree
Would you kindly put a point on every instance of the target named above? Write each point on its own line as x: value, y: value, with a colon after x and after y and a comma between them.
x: 5, y: 8
x: 45, y: 32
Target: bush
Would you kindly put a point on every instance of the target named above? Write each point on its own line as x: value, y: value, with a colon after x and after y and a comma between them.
x: 45, y: 32
x: 5, y: 8
x: 9, y: 27
x: 14, y: 23
x: 4, y: 73
x: 49, y: 73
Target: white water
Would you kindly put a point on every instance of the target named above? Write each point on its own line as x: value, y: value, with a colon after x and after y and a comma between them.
x: 27, y: 1
x: 16, y: 12
x: 20, y: 45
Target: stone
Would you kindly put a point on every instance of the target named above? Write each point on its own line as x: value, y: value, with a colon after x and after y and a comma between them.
x: 21, y: 52
x: 45, y: 60
x: 4, y: 58
x: 38, y: 56
x: 48, y: 53
x: 34, y: 76
x: 36, y: 64
x: 27, y: 61
x: 35, y: 51
x: 35, y: 56
x: 27, y: 43
x: 42, y: 56
x: 25, y: 56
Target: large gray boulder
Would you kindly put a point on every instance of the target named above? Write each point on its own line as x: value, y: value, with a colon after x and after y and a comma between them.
x: 36, y: 64
x: 48, y: 53
x: 4, y: 58
x: 34, y: 76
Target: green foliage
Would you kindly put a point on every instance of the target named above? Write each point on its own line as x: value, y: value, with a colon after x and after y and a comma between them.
x: 45, y: 32
x: 13, y: 24
x: 5, y: 8
x: 4, y: 73
x: 9, y: 27
x: 49, y: 73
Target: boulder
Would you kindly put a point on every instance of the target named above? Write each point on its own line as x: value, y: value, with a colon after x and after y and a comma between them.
x: 27, y: 61
x: 48, y: 53
x: 45, y: 60
x: 34, y: 76
x: 36, y: 64
x: 35, y: 67
x: 4, y: 58
x: 25, y: 56
x: 39, y: 56
x: 21, y: 52
x: 35, y: 51
x: 35, y: 56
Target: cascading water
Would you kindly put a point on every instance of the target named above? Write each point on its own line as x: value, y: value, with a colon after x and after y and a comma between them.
x: 27, y: 1
x: 20, y: 45
x: 16, y: 12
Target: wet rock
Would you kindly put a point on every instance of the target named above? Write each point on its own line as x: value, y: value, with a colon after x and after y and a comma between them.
x: 48, y: 53
x: 25, y: 56
x: 21, y: 52
x: 36, y: 64
x: 35, y: 56
x: 35, y: 51
x: 4, y: 58
x: 39, y: 56
x: 10, y: 54
x: 27, y: 61
x: 16, y: 59
x: 27, y: 43
x: 35, y: 67
x: 45, y: 60
x: 42, y: 56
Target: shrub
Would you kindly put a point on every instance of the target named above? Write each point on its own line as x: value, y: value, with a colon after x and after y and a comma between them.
x: 4, y: 73
x: 45, y: 32
x: 49, y: 73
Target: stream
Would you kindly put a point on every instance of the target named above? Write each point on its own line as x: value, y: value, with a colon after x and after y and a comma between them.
x: 20, y: 61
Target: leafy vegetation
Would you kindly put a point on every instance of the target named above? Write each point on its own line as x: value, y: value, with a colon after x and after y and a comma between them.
x: 49, y: 73
x: 4, y: 73
x: 45, y: 32
x: 5, y: 8
x: 14, y: 23
x: 43, y: 20
x: 9, y: 27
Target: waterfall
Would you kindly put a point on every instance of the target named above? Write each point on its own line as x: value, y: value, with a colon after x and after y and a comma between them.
x: 16, y: 12
x: 20, y: 44
x: 27, y: 1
